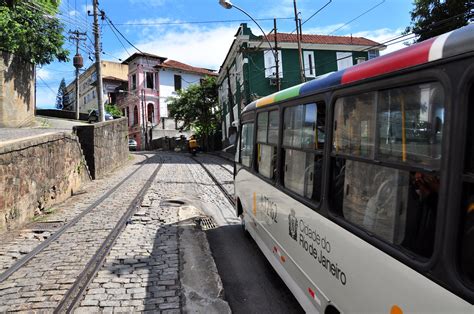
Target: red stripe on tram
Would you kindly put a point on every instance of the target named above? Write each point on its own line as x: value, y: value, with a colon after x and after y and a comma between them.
x: 407, y: 57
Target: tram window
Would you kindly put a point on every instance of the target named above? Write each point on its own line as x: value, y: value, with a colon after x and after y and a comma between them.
x: 246, y: 146
x: 395, y: 205
x: 267, y: 160
x: 303, y: 173
x: 303, y: 141
x: 267, y: 139
x: 273, y: 122
x: 410, y: 124
x: 354, y: 125
x: 467, y: 234
x: 470, y: 134
x: 262, y: 124
x: 467, y: 205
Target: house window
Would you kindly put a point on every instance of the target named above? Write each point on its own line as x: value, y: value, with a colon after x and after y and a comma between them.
x: 270, y: 65
x: 127, y: 114
x: 374, y: 53
x: 344, y: 60
x: 134, y: 82
x: 135, y: 115
x: 309, y: 65
x: 177, y: 82
x: 149, y: 80
x: 151, y: 112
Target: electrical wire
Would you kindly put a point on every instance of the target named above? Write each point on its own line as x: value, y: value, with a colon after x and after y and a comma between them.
x: 118, y: 38
x: 200, y: 22
x: 362, y: 14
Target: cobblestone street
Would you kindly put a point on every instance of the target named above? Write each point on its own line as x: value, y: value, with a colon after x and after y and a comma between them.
x: 144, y: 268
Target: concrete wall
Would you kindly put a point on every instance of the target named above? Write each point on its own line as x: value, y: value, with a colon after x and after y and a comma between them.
x: 17, y: 93
x: 105, y: 145
x: 61, y: 114
x: 36, y: 173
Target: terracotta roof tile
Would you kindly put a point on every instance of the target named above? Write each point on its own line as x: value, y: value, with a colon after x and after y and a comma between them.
x: 173, y: 64
x: 324, y: 39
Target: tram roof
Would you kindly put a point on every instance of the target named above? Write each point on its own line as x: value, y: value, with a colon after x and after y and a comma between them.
x: 443, y: 46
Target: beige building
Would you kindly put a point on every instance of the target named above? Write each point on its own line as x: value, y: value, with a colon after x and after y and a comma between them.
x: 17, y: 91
x: 113, y: 75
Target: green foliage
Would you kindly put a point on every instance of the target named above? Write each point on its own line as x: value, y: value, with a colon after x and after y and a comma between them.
x: 198, y: 108
x: 30, y: 30
x: 60, y: 99
x: 113, y: 110
x: 431, y: 18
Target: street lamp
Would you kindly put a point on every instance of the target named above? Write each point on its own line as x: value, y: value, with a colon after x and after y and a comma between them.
x: 144, y: 127
x: 229, y: 5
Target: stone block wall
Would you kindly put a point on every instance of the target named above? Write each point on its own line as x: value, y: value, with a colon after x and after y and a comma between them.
x: 105, y: 145
x: 17, y: 91
x: 37, y: 173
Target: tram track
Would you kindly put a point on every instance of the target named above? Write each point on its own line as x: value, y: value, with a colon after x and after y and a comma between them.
x: 74, y: 293
x: 221, y: 187
x: 25, y: 259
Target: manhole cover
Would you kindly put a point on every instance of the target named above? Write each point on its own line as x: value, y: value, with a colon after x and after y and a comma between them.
x: 207, y: 223
x: 175, y: 203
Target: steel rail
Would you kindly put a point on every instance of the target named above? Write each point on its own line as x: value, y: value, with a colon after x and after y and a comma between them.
x: 25, y: 259
x: 215, y: 155
x: 229, y: 197
x: 75, y: 293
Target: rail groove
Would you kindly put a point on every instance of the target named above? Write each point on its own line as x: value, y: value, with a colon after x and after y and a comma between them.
x: 75, y: 293
x: 229, y: 197
x: 25, y: 259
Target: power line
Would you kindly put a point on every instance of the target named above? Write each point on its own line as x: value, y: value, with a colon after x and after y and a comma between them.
x: 128, y: 41
x: 365, y: 12
x: 309, y: 18
x: 118, y: 38
x: 200, y: 22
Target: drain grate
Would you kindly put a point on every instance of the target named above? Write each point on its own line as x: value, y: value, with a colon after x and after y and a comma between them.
x: 207, y: 223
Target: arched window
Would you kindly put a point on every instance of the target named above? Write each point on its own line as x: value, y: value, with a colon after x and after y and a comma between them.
x: 151, y: 112
x: 135, y: 115
x: 127, y: 114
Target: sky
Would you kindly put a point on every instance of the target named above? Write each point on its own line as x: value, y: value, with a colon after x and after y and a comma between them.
x: 200, y: 32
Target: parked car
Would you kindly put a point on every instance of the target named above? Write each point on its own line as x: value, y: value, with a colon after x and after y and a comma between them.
x: 132, y: 144
x: 94, y: 116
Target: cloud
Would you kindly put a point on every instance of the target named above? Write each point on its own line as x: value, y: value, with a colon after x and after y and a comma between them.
x: 194, y: 45
x: 152, y: 3
x: 383, y: 35
x: 324, y: 30
x: 44, y: 74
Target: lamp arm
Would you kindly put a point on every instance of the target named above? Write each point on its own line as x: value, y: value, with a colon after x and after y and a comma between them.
x: 264, y: 35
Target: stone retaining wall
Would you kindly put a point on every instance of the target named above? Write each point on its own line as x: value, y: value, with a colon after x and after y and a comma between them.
x: 105, y: 145
x: 36, y: 173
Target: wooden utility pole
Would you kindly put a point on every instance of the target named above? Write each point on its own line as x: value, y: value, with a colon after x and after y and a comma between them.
x: 78, y: 63
x: 277, y: 59
x: 298, y: 35
x: 98, y: 67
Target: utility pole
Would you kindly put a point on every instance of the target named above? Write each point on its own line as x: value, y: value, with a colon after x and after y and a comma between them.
x: 298, y: 35
x: 98, y: 67
x: 277, y: 59
x: 78, y: 63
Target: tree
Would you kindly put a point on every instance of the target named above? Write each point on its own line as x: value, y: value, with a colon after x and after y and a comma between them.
x: 29, y: 29
x: 198, y: 109
x: 60, y: 97
x: 431, y: 18
x: 113, y: 110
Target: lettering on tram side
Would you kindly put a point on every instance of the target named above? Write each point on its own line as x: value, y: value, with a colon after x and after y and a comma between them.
x: 315, y: 245
x: 269, y: 208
